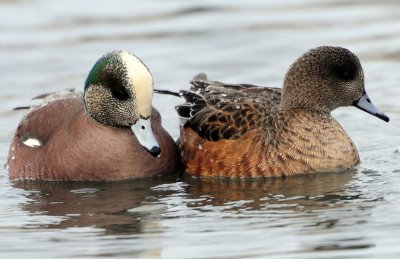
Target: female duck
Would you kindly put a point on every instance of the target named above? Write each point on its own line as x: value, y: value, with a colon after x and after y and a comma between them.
x: 111, y: 132
x: 250, y: 131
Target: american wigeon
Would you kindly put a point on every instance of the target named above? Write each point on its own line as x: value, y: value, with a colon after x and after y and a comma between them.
x: 241, y: 130
x: 110, y: 132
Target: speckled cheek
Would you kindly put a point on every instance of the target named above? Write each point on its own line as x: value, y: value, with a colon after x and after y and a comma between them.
x: 93, y: 96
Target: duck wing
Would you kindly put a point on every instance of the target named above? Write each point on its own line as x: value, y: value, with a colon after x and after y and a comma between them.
x: 217, y: 110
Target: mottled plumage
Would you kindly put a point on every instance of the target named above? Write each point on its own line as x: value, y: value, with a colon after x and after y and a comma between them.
x: 242, y: 130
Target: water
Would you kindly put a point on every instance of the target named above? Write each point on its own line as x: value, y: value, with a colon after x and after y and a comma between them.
x: 51, y: 45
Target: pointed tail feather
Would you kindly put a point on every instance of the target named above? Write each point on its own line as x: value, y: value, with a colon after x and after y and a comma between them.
x: 21, y: 108
x: 167, y: 92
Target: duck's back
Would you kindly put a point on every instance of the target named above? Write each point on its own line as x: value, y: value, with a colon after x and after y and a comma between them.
x: 58, y: 141
x: 227, y: 111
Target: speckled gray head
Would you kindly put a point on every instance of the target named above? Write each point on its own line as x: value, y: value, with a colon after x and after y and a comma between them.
x: 326, y: 78
x: 118, y: 93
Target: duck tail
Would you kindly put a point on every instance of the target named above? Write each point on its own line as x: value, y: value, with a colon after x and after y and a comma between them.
x: 196, y: 82
x: 21, y: 108
x: 167, y: 92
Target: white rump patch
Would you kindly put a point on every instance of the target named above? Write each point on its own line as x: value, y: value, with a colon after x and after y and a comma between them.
x: 32, y: 142
x: 142, y: 82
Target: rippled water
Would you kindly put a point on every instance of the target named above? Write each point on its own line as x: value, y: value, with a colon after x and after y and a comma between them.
x: 51, y: 45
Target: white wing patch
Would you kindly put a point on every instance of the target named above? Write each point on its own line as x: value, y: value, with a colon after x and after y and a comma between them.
x: 32, y: 142
x: 142, y: 82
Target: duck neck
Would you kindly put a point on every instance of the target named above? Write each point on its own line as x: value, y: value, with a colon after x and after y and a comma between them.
x: 298, y: 93
x: 289, y: 104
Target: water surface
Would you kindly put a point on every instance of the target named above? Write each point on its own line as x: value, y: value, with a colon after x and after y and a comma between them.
x: 51, y: 45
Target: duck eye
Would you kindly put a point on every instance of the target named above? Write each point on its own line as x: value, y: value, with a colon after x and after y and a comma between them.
x: 120, y: 94
x: 118, y: 90
x: 346, y: 75
x: 346, y: 72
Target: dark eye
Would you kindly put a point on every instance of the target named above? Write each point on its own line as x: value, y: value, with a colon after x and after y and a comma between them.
x: 346, y: 72
x: 117, y: 89
x: 347, y: 76
x: 120, y: 94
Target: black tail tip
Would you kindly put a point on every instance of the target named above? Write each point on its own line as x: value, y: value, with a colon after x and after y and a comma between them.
x: 167, y: 92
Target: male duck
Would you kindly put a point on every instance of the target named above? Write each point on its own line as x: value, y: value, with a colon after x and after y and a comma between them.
x: 111, y: 132
x: 244, y: 130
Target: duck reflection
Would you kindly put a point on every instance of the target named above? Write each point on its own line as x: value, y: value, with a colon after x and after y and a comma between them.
x: 300, y: 192
x: 133, y: 207
x: 100, y: 205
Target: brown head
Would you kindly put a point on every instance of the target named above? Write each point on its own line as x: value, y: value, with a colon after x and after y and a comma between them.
x: 118, y: 93
x: 324, y: 79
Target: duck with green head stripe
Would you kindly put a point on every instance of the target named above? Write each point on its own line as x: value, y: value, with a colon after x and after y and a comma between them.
x: 110, y: 133
x: 118, y: 93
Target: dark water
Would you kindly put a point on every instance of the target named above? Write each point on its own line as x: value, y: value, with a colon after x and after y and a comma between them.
x: 51, y: 45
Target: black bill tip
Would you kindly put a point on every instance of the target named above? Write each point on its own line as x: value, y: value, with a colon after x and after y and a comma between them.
x: 155, y: 151
x: 365, y: 104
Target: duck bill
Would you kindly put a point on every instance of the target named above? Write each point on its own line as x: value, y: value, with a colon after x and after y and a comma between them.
x: 365, y: 104
x: 145, y: 136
